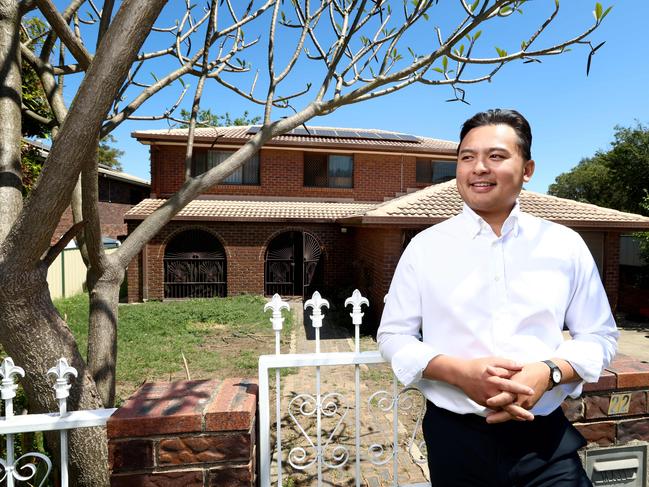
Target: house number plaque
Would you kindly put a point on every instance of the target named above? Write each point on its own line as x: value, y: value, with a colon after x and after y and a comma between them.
x: 619, y: 404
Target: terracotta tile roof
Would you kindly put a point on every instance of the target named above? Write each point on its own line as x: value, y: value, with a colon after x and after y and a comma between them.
x: 236, y: 210
x: 239, y: 135
x: 439, y: 202
x: 424, y: 207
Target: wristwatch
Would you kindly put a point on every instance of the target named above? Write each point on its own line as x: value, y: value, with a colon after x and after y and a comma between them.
x: 555, y: 374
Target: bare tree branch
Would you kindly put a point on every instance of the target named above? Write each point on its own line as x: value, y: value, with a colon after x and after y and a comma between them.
x: 54, y: 251
x: 58, y: 23
x: 106, y: 14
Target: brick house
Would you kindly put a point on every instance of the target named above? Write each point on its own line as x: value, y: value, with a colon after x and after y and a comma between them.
x: 118, y: 193
x: 323, y: 208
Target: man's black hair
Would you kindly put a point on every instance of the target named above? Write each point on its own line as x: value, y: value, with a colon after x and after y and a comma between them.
x: 498, y: 116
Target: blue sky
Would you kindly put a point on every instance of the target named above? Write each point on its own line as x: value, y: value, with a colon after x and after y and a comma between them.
x: 572, y: 116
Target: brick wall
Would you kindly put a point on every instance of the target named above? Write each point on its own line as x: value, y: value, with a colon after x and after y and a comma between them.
x: 111, y: 216
x: 245, y: 246
x: 377, y: 252
x: 612, y: 267
x: 590, y: 412
x: 185, y: 434
x: 281, y: 173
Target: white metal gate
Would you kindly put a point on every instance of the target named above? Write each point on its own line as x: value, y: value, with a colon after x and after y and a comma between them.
x: 24, y: 468
x: 325, y: 445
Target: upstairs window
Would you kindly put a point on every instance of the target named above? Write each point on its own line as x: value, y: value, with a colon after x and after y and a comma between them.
x: 204, y: 160
x: 328, y: 170
x: 429, y: 171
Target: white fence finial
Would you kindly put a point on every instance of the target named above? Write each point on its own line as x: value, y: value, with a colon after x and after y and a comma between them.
x: 356, y: 300
x: 62, y: 370
x: 8, y: 371
x: 277, y: 305
x: 316, y: 302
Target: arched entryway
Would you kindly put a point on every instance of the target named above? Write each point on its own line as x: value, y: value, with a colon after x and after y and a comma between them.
x: 293, y: 265
x: 194, y: 266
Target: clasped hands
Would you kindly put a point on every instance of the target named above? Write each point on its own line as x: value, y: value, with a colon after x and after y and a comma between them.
x: 508, y: 388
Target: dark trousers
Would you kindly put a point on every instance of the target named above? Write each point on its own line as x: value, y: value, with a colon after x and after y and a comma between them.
x: 466, y: 451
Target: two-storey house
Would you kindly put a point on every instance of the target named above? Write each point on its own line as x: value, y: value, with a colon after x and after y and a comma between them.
x: 318, y: 208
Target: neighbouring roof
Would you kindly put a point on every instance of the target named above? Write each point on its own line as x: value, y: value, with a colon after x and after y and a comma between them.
x: 442, y: 201
x: 332, y: 138
x: 106, y: 171
x: 235, y: 210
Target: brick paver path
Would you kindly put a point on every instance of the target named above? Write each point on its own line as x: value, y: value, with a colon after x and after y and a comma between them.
x: 376, y: 425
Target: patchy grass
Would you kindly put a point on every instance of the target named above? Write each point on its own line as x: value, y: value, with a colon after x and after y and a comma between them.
x: 219, y: 338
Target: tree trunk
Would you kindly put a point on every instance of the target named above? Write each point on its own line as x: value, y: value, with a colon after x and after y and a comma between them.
x: 102, y: 329
x: 11, y: 198
x: 35, y: 336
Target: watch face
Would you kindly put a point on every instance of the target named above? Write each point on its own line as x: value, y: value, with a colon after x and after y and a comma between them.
x: 556, y: 376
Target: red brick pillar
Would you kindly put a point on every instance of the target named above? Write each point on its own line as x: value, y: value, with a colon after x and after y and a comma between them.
x: 611, y: 276
x: 625, y: 383
x: 189, y: 434
x: 134, y: 279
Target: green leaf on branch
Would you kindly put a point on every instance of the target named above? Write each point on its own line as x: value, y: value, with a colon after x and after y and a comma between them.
x: 605, y: 13
x: 439, y: 70
x: 598, y: 11
x: 445, y: 63
x: 474, y: 5
x: 477, y: 35
x: 501, y: 52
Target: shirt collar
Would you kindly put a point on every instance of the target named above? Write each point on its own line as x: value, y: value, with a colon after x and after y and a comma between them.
x: 476, y: 224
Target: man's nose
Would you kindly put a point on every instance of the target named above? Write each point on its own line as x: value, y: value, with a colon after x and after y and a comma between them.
x: 480, y: 166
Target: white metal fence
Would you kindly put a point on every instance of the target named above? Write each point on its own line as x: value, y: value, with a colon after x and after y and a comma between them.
x: 26, y: 467
x: 323, y: 436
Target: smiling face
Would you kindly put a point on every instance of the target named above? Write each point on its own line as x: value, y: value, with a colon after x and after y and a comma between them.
x: 491, y: 171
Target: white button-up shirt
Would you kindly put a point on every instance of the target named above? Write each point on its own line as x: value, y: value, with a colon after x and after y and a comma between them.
x: 461, y: 290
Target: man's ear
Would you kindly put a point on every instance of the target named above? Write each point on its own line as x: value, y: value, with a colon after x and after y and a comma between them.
x: 528, y: 170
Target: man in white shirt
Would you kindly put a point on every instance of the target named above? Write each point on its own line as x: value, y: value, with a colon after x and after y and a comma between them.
x: 489, y: 292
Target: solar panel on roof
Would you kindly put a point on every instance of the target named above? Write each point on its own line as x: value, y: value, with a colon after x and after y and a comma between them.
x: 369, y: 135
x: 399, y: 137
x: 344, y: 133
x: 299, y: 131
x: 408, y: 138
x: 351, y: 134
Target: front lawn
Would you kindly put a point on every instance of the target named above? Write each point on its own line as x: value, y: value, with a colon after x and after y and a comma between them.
x: 219, y: 338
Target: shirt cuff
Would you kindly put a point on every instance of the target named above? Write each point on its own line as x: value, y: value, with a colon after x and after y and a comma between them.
x: 585, y: 357
x: 409, y: 362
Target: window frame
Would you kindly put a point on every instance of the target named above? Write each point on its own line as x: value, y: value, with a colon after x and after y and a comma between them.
x: 431, y: 170
x: 328, y: 175
x: 204, y: 163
